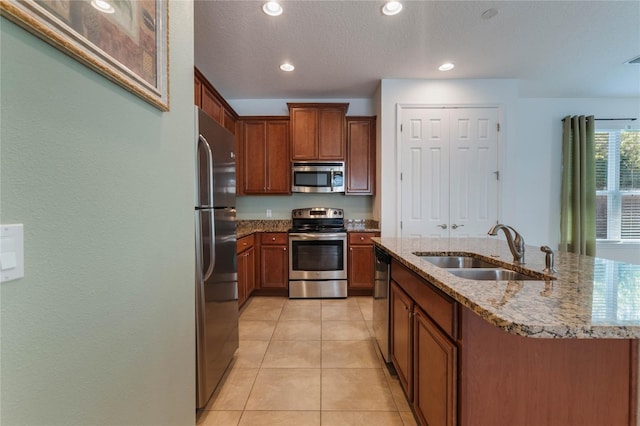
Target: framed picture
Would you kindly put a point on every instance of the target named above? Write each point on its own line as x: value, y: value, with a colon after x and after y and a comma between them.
x: 124, y: 40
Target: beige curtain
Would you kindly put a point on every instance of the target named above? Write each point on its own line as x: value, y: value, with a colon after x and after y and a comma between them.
x: 578, y: 204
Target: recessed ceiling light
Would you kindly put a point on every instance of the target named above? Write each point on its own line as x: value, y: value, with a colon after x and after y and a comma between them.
x: 272, y: 8
x: 287, y: 67
x: 489, y: 13
x: 392, y: 8
x: 103, y: 6
x: 447, y: 66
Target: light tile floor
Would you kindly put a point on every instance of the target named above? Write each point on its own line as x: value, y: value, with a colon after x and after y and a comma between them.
x: 307, y: 362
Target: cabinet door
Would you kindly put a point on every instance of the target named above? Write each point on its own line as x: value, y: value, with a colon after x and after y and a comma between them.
x: 361, y: 266
x: 250, y: 280
x: 331, y: 133
x: 211, y: 105
x: 229, y: 122
x: 434, y: 397
x: 278, y: 164
x: 197, y: 89
x: 402, y: 338
x: 304, y: 133
x: 274, y: 266
x: 253, y: 156
x: 361, y: 156
x: 242, y: 278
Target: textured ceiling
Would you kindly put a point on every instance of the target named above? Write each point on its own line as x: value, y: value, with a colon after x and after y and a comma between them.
x: 342, y: 49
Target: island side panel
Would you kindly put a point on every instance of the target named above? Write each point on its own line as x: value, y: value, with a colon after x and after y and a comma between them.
x: 509, y: 379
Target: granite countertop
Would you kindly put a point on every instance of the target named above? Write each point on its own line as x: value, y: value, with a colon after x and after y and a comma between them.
x: 247, y: 227
x: 590, y: 297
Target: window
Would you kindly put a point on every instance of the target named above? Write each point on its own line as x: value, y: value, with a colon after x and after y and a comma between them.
x: 618, y: 185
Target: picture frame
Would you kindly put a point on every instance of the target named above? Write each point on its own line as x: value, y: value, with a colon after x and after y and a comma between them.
x: 126, y: 41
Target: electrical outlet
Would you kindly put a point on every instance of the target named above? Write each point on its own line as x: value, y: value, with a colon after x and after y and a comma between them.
x: 268, y: 212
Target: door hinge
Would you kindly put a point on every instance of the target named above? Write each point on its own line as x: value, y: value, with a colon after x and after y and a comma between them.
x: 400, y: 128
x: 497, y: 173
x: 400, y: 224
x: 498, y: 126
x: 400, y: 175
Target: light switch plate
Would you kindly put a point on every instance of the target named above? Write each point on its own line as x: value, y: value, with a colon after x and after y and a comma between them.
x: 11, y: 252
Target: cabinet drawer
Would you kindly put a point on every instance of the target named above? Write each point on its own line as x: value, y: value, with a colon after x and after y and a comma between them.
x: 437, y: 305
x: 279, y: 238
x: 361, y: 238
x: 245, y: 242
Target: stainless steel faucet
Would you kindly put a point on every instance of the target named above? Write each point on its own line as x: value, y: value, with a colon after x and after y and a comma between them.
x: 515, y: 241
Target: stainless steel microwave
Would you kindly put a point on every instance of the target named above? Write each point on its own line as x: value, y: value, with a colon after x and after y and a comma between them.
x: 315, y: 176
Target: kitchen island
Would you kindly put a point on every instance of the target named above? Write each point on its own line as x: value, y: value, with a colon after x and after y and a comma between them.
x: 559, y: 349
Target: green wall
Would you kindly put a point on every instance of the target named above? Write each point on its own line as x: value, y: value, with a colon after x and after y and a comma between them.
x: 101, y: 329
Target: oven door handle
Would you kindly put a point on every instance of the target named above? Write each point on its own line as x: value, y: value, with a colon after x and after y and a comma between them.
x: 317, y: 236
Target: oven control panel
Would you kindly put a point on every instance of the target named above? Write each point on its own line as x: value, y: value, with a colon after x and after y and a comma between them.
x: 317, y: 213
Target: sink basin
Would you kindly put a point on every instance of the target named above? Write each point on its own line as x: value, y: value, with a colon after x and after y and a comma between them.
x: 487, y: 274
x: 458, y: 262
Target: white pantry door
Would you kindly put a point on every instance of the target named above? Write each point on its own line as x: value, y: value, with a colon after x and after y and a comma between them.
x: 449, y: 160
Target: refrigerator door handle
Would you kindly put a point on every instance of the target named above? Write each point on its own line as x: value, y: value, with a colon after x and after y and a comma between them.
x: 203, y: 276
x: 212, y: 251
x: 202, y: 140
x: 198, y: 249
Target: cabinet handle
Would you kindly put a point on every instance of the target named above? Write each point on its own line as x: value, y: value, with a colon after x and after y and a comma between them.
x: 284, y: 248
x: 361, y: 238
x: 273, y: 238
x: 454, y: 226
x: 443, y: 226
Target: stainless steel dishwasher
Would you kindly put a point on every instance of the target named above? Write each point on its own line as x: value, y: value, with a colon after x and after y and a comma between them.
x: 381, y: 301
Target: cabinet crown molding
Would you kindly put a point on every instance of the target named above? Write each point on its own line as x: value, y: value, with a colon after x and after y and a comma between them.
x: 344, y: 106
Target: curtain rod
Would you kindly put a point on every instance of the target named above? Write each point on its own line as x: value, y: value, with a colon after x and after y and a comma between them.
x: 613, y: 119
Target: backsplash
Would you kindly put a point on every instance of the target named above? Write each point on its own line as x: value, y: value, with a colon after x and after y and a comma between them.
x: 255, y: 207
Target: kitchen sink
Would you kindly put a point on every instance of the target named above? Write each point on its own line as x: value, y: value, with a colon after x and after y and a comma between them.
x: 495, y: 274
x: 457, y: 261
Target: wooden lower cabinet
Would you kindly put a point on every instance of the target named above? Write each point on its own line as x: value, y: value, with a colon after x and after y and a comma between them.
x: 456, y: 368
x: 434, y: 371
x: 402, y: 337
x: 360, y: 262
x: 246, y: 268
x: 274, y: 260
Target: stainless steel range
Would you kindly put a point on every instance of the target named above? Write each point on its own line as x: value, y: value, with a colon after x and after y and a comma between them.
x: 317, y: 253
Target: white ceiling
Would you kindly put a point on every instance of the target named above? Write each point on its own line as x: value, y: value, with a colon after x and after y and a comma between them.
x: 342, y: 49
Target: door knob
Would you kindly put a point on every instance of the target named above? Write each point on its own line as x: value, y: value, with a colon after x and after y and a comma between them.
x: 443, y: 226
x: 454, y: 226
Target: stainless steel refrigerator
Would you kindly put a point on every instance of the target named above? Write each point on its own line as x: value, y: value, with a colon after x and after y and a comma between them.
x: 216, y: 269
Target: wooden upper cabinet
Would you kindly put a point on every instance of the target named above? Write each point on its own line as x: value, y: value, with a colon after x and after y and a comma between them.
x: 208, y: 98
x: 229, y: 122
x: 304, y: 133
x: 264, y: 155
x: 317, y: 131
x: 331, y: 133
x: 211, y: 105
x: 197, y: 89
x: 361, y: 155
